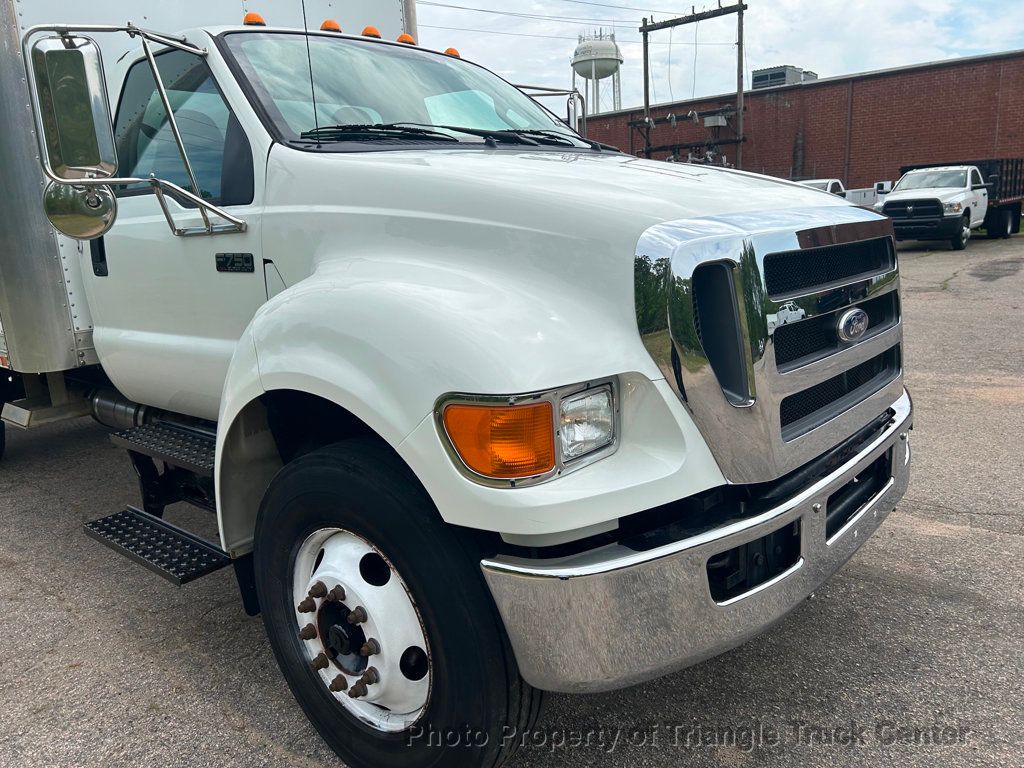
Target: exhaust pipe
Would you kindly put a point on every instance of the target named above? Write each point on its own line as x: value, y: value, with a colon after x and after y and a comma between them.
x: 112, y: 409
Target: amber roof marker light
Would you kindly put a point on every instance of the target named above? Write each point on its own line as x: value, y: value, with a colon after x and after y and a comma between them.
x: 454, y: 53
x: 253, y: 19
x: 371, y: 31
x: 330, y: 25
x: 406, y: 38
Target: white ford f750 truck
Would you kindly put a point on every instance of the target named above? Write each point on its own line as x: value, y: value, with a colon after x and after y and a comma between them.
x: 483, y: 408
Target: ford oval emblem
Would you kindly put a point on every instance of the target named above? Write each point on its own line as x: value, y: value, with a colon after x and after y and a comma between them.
x: 853, y: 324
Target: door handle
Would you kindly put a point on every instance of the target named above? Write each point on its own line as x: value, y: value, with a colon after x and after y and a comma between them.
x: 98, y: 256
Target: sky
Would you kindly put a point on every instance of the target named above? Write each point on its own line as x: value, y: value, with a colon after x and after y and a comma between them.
x: 830, y: 37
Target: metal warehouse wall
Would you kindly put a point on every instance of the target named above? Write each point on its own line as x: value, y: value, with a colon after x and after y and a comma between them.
x: 859, y: 128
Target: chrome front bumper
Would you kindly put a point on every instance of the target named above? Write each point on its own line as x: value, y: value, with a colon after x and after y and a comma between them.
x: 614, y: 617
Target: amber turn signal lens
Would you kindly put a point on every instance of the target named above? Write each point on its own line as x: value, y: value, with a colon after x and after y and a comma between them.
x: 503, y: 441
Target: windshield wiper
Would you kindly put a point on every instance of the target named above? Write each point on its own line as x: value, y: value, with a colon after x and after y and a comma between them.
x: 546, y: 136
x: 565, y: 138
x: 373, y: 131
x: 493, y: 136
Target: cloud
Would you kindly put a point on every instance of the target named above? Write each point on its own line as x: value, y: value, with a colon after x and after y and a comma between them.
x: 831, y: 37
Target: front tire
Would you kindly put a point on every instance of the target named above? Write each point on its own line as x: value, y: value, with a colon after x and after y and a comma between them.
x: 352, y: 516
x: 959, y: 241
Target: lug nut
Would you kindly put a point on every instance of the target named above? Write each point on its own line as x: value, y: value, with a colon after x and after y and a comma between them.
x: 358, y: 690
x: 337, y: 594
x: 370, y: 676
x: 338, y: 684
x: 358, y: 616
x: 318, y: 590
x: 308, y: 605
x: 308, y: 632
x: 320, y: 662
x: 370, y: 648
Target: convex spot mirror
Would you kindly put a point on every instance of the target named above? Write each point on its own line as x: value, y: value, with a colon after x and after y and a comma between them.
x: 72, y: 109
x: 81, y: 213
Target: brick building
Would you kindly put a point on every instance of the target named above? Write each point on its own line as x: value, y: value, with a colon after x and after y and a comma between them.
x: 860, y: 128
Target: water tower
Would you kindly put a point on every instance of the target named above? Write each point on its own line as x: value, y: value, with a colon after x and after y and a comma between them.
x: 597, y: 58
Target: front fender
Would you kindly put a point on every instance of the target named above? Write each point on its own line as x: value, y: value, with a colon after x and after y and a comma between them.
x: 384, y: 338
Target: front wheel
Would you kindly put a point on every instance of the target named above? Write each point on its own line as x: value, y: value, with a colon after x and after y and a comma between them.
x: 959, y: 241
x: 380, y: 619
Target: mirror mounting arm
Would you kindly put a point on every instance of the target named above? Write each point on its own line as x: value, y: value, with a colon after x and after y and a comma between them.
x: 91, y: 180
x: 172, y: 121
x: 160, y: 189
x: 66, y: 30
x: 233, y: 223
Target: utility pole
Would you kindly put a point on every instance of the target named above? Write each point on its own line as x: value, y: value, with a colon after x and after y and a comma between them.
x: 693, y: 18
x: 647, y: 94
x: 739, y: 87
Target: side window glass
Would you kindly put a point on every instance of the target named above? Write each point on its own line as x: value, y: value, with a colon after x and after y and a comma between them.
x: 145, y: 141
x: 976, y: 177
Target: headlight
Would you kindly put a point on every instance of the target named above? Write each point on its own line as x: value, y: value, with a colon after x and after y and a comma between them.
x: 521, y: 439
x: 586, y: 423
x: 952, y: 207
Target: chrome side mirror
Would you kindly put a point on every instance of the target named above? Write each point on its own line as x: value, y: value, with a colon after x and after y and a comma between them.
x: 81, y: 213
x: 72, y: 110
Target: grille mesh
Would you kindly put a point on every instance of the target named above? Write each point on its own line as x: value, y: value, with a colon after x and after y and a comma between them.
x: 816, y: 337
x: 805, y: 410
x: 921, y: 209
x: 803, y: 271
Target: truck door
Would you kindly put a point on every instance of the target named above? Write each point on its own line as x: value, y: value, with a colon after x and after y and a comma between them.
x: 168, y: 310
x: 979, y: 197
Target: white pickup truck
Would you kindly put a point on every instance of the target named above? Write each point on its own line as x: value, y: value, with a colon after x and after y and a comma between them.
x: 938, y: 203
x: 482, y: 408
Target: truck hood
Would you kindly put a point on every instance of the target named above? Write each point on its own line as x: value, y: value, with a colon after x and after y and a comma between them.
x: 602, y: 202
x: 616, y: 185
x: 945, y: 194
x: 522, y: 261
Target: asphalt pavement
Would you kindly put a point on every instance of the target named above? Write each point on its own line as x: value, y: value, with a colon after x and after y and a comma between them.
x: 912, y: 655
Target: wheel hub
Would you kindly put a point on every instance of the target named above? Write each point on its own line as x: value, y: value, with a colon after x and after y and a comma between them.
x: 341, y: 640
x: 366, y: 643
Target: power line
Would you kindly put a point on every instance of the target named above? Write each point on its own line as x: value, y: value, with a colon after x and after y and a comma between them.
x: 548, y: 37
x: 620, y: 7
x: 496, y: 32
x: 696, y: 27
x: 624, y: 23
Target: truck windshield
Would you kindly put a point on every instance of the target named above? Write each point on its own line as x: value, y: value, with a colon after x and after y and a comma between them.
x: 930, y: 179
x: 362, y: 83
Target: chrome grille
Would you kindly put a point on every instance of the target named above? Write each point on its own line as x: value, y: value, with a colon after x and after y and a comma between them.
x: 798, y: 391
x: 814, y: 406
x: 802, y: 271
x: 805, y: 341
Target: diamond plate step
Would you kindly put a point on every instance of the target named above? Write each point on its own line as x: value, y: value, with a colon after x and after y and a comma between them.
x: 178, y: 446
x: 175, y: 554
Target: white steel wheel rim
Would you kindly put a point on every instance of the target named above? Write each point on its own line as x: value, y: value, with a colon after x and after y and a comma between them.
x: 967, y: 232
x: 395, y: 697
